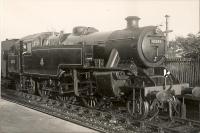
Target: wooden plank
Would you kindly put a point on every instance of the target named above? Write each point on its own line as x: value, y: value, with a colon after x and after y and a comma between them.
x: 186, y: 70
x: 177, y: 88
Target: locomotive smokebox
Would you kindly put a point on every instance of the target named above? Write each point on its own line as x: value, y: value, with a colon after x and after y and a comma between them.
x: 132, y: 22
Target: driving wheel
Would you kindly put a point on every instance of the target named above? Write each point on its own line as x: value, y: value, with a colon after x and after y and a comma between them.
x: 43, y: 90
x: 138, y: 109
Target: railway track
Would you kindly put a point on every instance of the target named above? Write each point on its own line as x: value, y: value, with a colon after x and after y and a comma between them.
x: 101, y: 121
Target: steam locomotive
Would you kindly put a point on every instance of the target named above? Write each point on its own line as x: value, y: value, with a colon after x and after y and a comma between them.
x: 125, y: 67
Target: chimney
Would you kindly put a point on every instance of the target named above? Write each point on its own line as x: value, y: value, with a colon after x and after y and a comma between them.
x: 132, y: 22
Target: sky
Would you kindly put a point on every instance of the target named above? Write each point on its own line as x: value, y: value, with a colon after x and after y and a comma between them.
x: 19, y: 18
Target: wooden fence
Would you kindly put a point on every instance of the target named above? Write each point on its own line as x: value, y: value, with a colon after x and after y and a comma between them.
x: 186, y: 70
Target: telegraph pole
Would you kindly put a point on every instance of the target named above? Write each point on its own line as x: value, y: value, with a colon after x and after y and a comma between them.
x: 167, y: 31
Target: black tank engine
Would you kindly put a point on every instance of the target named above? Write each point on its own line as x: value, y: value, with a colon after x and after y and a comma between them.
x: 125, y: 66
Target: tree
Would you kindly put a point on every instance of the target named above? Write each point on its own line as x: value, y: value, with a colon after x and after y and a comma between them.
x: 185, y: 46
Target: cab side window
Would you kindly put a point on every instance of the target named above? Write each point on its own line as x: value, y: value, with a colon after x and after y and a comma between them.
x: 24, y: 47
x: 27, y: 47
